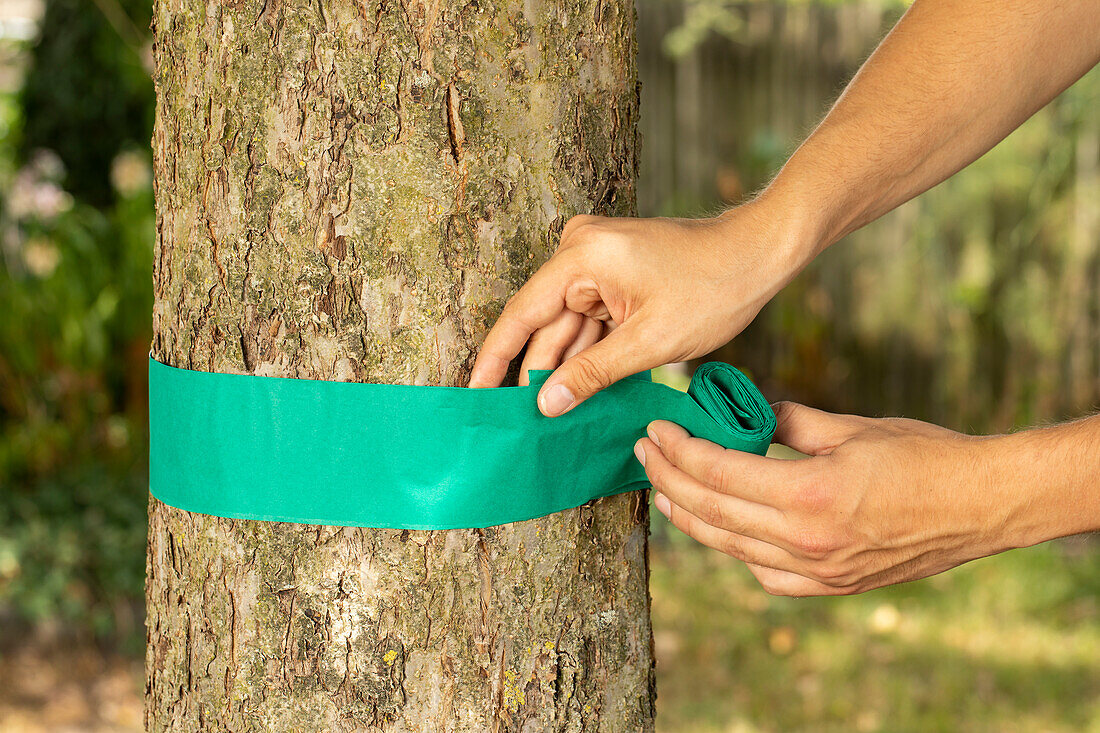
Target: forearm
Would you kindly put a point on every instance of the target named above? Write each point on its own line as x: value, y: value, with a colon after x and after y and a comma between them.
x: 949, y: 82
x: 1048, y: 479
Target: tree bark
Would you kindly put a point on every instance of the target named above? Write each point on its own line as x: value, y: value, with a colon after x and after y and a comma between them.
x: 350, y: 190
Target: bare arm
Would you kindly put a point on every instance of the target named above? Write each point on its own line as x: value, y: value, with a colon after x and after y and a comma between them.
x: 950, y: 81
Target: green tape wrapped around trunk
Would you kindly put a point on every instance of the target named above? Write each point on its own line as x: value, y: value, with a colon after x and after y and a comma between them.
x: 407, y: 457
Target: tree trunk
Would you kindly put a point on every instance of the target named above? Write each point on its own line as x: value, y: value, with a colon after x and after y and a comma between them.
x: 350, y: 190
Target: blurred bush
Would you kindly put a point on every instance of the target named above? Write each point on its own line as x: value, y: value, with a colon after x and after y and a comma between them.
x: 76, y: 228
x: 87, y: 93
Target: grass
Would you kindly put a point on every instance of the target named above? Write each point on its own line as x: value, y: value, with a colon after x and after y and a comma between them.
x: 1009, y: 643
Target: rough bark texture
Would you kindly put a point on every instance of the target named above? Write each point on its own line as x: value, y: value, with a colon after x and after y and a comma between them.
x: 350, y: 190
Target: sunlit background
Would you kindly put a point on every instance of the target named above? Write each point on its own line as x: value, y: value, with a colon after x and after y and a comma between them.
x: 976, y: 306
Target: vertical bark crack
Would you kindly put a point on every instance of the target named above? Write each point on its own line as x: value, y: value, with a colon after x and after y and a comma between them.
x: 455, y: 131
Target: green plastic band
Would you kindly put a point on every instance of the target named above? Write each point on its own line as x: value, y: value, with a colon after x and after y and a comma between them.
x: 380, y: 455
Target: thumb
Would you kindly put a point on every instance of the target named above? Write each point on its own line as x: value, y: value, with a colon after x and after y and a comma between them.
x: 619, y: 354
x: 811, y: 431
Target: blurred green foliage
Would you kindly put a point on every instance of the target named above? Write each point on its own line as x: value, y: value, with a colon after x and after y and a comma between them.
x: 702, y: 19
x: 87, y: 93
x: 76, y: 228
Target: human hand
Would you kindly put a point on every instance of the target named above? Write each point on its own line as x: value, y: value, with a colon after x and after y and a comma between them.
x: 880, y: 501
x: 620, y: 296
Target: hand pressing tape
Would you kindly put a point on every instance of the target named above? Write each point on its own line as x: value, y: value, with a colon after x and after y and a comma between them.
x: 382, y: 455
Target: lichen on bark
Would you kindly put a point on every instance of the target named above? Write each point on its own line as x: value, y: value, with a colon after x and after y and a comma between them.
x: 350, y: 190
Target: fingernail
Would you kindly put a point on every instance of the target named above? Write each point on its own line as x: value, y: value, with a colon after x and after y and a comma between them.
x: 652, y: 435
x: 639, y: 451
x: 555, y: 400
x: 663, y: 505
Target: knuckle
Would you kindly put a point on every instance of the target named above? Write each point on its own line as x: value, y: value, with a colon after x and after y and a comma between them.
x: 514, y: 310
x: 831, y: 573
x: 786, y: 416
x: 672, y: 448
x: 580, y: 229
x: 510, y: 305
x: 816, y: 544
x: 656, y: 474
x: 598, y: 239
x: 590, y: 375
x: 712, y: 512
x: 716, y: 474
x: 733, y: 546
x: 579, y: 220
x: 767, y: 578
x: 814, y: 495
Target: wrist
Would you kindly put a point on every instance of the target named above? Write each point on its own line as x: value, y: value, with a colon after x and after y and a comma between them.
x: 822, y: 191
x: 1000, y: 501
x: 815, y: 193
x: 1039, y: 484
x: 779, y: 226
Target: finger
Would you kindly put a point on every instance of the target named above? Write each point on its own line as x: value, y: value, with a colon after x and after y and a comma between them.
x: 735, y: 545
x: 621, y: 353
x: 785, y: 583
x: 536, y: 304
x: 591, y: 332
x: 584, y: 296
x: 747, y: 476
x: 716, y: 509
x: 545, y: 347
x: 810, y: 431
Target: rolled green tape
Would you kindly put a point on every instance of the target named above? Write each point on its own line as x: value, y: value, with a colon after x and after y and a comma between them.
x: 407, y: 457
